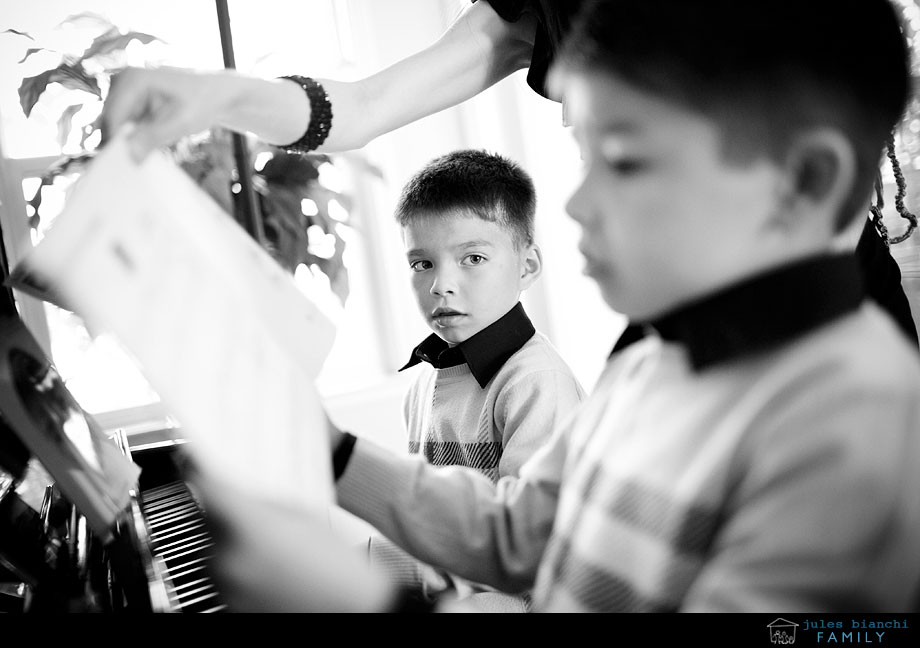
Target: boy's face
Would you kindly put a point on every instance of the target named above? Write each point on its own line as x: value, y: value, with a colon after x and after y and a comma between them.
x: 466, y: 272
x: 664, y: 218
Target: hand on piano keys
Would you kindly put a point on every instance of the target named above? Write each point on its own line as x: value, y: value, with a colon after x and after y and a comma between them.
x: 274, y: 557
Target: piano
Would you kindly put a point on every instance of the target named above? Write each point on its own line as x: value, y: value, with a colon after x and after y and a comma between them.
x: 64, y: 545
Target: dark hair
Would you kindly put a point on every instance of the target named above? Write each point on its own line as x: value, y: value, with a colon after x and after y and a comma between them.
x: 764, y: 70
x: 484, y: 184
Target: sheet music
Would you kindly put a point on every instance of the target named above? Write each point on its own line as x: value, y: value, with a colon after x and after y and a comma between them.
x: 220, y: 331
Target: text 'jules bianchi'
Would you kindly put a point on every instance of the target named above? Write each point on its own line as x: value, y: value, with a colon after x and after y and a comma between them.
x: 854, y: 630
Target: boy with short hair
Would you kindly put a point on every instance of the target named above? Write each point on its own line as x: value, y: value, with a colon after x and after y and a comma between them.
x: 490, y: 389
x: 757, y: 449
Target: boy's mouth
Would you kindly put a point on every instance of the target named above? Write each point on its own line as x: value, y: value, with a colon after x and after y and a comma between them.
x: 445, y: 316
x: 590, y: 264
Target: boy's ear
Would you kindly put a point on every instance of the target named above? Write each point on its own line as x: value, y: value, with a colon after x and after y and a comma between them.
x: 531, y: 265
x: 820, y: 170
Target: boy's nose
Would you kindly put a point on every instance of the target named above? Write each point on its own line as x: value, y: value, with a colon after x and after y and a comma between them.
x: 442, y: 285
x: 576, y: 206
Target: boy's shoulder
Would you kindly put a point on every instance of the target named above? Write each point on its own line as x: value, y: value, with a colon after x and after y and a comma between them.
x: 537, y: 355
x: 863, y: 354
x: 877, y: 349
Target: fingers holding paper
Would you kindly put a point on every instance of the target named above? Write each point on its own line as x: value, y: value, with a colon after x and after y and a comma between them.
x: 163, y: 105
x: 159, y: 104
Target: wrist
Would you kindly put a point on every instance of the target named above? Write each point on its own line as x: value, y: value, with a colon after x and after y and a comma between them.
x: 275, y: 111
x: 343, y: 446
x: 320, y: 115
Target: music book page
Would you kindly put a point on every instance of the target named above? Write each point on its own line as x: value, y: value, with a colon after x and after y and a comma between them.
x: 86, y: 465
x: 219, y: 329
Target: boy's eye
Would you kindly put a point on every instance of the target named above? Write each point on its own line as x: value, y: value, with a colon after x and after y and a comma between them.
x: 419, y: 265
x: 475, y: 259
x: 627, y: 166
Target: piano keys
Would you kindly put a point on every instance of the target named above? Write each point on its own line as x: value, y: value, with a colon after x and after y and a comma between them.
x: 152, y: 555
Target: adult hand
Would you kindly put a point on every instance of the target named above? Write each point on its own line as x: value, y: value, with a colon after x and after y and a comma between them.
x: 165, y: 104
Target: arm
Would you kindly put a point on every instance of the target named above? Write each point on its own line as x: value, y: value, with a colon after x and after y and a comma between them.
x: 455, y: 517
x: 475, y: 52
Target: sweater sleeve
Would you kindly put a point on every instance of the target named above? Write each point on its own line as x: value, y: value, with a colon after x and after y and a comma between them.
x: 454, y: 517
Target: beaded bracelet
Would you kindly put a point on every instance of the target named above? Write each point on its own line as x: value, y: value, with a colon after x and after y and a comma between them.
x: 320, y: 116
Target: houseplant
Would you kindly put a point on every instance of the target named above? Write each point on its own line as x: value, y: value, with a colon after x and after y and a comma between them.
x: 296, y: 209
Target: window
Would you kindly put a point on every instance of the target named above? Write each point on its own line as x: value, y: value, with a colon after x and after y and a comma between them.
x: 379, y: 323
x: 96, y: 370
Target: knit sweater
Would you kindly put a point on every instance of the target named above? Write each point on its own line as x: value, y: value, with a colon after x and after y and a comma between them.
x: 452, y: 419
x: 763, y: 458
x: 784, y: 482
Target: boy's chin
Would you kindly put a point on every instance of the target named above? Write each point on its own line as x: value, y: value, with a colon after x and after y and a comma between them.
x: 452, y: 340
x: 635, y: 310
x: 613, y: 299
x: 454, y: 335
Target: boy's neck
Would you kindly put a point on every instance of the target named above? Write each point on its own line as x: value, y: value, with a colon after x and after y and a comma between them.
x: 763, y: 310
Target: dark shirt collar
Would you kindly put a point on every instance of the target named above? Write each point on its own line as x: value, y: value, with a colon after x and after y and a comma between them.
x: 760, y: 312
x: 484, y: 352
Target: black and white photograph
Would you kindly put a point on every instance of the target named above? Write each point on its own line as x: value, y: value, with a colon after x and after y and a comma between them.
x: 464, y: 306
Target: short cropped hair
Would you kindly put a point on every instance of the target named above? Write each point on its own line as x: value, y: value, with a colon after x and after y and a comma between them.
x: 764, y: 71
x: 471, y: 181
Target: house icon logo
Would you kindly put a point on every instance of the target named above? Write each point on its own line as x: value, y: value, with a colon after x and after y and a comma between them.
x: 782, y: 631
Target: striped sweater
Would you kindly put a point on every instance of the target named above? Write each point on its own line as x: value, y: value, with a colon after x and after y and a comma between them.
x: 453, y: 420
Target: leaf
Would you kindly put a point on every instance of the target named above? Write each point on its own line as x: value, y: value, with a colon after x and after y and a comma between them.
x: 18, y: 33
x: 285, y: 181
x: 96, y: 20
x: 65, y: 123
x: 289, y: 247
x: 64, y: 164
x: 31, y: 89
x: 291, y: 170
x: 70, y: 76
x: 209, y: 162
x: 114, y: 41
x: 285, y: 225
x: 67, y: 164
x: 31, y: 51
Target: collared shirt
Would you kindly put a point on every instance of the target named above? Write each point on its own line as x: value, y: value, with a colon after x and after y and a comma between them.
x: 760, y: 312
x: 485, y: 352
